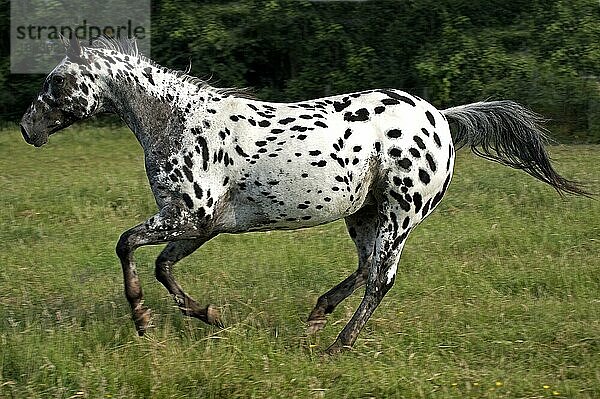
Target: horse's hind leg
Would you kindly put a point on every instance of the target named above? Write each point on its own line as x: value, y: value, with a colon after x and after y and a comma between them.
x: 362, y: 227
x: 382, y: 272
x: 173, y: 253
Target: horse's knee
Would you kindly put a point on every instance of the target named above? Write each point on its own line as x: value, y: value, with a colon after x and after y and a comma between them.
x: 123, y: 248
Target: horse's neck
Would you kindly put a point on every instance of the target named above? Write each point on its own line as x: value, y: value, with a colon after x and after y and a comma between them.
x: 154, y: 106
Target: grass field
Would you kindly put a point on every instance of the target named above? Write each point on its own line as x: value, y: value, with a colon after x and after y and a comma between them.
x: 498, y: 292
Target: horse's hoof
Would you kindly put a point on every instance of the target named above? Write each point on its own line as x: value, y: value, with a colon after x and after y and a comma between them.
x: 337, y: 347
x: 315, y: 325
x: 213, y: 316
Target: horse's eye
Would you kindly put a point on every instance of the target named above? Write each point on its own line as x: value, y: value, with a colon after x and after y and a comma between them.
x: 58, y: 80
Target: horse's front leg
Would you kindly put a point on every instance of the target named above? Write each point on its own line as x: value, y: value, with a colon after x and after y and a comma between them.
x: 158, y: 229
x: 173, y: 253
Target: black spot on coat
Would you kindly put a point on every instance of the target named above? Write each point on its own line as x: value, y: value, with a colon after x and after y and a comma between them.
x: 430, y: 118
x: 436, y: 138
x: 339, y: 106
x: 395, y: 152
x: 417, y: 201
x: 188, y: 200
x: 197, y: 190
x: 241, y: 152
x: 394, y: 133
x: 405, y: 163
x: 431, y: 162
x: 405, y: 206
x: 419, y: 142
x: 424, y: 176
x: 204, y: 147
x: 399, y: 97
x: 360, y: 115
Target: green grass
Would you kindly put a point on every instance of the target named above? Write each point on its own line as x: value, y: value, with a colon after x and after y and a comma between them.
x: 498, y: 292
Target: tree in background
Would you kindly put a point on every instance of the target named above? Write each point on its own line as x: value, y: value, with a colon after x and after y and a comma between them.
x: 543, y: 53
x: 546, y: 58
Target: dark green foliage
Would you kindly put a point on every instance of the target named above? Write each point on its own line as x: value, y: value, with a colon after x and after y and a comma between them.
x: 542, y: 53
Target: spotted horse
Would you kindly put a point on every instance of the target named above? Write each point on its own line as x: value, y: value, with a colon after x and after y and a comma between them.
x: 220, y: 162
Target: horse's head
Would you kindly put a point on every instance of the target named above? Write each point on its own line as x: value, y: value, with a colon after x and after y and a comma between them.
x: 70, y: 93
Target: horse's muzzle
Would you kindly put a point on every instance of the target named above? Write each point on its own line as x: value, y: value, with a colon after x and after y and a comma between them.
x: 36, y: 141
x: 25, y: 134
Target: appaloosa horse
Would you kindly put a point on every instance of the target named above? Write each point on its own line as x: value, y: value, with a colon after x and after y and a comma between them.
x: 220, y: 162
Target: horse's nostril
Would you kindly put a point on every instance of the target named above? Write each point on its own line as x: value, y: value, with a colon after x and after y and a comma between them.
x: 24, y: 133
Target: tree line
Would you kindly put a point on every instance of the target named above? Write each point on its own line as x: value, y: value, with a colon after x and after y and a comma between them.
x: 543, y: 53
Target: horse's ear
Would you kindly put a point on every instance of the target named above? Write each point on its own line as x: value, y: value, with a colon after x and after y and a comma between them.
x: 74, y: 51
x: 63, y: 40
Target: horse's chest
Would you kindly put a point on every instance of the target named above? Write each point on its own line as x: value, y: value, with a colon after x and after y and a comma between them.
x: 185, y: 177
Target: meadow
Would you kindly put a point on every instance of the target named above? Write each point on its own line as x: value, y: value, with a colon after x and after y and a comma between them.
x: 497, y: 295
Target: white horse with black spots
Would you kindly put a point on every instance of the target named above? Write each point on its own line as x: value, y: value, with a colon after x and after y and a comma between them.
x: 220, y: 162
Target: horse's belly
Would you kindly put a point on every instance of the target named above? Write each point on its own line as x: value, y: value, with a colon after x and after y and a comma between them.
x: 287, y: 202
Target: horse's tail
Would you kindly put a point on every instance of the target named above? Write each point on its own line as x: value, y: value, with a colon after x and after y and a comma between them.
x: 508, y: 133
